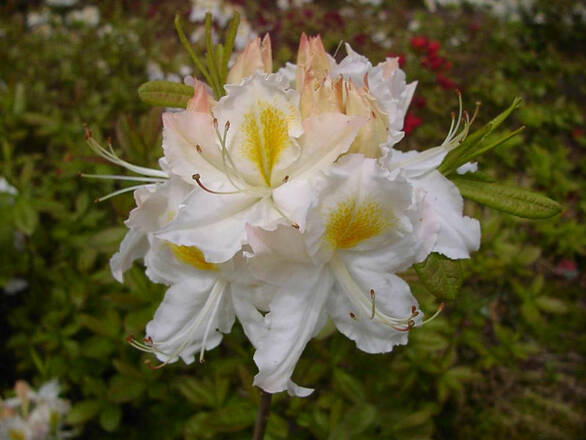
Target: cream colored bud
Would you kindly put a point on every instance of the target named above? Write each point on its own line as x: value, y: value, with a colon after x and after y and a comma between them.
x: 256, y: 56
x: 357, y: 102
x: 201, y: 102
x: 312, y: 57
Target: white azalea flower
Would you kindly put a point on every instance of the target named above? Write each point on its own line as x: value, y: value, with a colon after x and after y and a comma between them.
x: 364, y: 228
x: 202, y: 299
x: 253, y: 156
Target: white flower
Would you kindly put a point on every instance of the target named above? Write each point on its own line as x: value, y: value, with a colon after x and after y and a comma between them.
x: 7, y: 188
x: 363, y: 229
x: 458, y: 234
x: 254, y: 157
x: 202, y: 299
x: 89, y: 16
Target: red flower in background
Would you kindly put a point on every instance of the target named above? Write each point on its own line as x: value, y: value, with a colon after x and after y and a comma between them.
x: 433, y: 47
x: 419, y: 42
x: 445, y: 83
x: 411, y: 122
x: 419, y: 102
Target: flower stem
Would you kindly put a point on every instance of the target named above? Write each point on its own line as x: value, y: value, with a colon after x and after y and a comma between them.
x: 262, y: 416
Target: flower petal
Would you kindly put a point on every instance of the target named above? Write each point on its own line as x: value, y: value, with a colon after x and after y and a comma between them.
x: 216, y: 223
x: 392, y: 297
x: 188, y: 309
x: 296, y: 316
x: 134, y: 246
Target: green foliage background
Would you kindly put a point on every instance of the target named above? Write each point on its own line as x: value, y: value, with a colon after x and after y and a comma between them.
x: 505, y: 358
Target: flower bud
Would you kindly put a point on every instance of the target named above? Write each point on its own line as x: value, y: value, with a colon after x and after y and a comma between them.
x: 201, y: 102
x: 357, y: 102
x: 320, y: 95
x: 312, y: 56
x: 257, y: 55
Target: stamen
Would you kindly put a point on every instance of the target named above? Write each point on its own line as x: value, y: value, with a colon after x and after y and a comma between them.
x: 295, y: 225
x: 432, y: 317
x: 197, y: 178
x: 122, y: 177
x: 372, y: 297
x: 198, y: 148
x: 353, y: 316
x: 121, y: 191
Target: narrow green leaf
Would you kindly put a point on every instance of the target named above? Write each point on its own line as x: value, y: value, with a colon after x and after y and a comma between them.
x: 440, y: 275
x: 475, y: 142
x: 185, y: 42
x: 123, y: 389
x: 211, y: 58
x: 509, y: 199
x: 229, y: 43
x: 551, y: 305
x: 165, y: 93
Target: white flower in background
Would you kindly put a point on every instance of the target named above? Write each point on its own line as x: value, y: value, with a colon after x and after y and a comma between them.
x: 34, y: 415
x: 286, y: 4
x: 34, y: 19
x: 88, y: 16
x: 60, y: 3
x: 221, y: 11
x: 244, y: 34
x: 7, y: 188
x: 15, y: 285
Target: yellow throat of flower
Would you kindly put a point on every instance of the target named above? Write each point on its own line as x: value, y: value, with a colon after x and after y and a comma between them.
x: 266, y: 129
x: 192, y: 256
x: 350, y: 223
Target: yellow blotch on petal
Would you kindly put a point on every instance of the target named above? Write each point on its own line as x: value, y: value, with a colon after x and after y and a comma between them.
x: 266, y: 130
x: 350, y: 223
x: 192, y: 256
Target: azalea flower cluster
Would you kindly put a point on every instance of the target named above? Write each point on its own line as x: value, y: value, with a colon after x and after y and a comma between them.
x: 33, y: 415
x: 285, y: 204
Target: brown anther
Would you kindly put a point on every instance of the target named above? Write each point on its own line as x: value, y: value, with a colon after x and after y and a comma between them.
x: 372, y: 293
x: 415, y: 313
x: 202, y: 361
x: 296, y: 226
x: 373, y: 114
x: 285, y: 179
x: 109, y: 140
x: 411, y: 323
x: 352, y: 315
x: 440, y: 307
x: 216, y: 122
x: 149, y: 364
x: 88, y: 132
x: 413, y: 309
x: 129, y: 338
x: 148, y: 340
x: 227, y: 125
x: 198, y: 148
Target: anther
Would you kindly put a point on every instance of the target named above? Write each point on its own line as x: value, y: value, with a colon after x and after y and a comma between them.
x: 353, y: 316
x: 198, y: 148
x: 216, y: 123
x: 372, y: 298
x: 227, y: 126
x: 149, y: 364
x: 129, y: 338
x: 295, y: 225
x: 88, y: 132
x: 285, y: 179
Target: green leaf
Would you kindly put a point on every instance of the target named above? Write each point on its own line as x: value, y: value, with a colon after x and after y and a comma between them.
x: 198, y: 392
x: 110, y: 417
x: 26, y: 217
x: 440, y: 275
x: 83, y: 411
x: 551, y: 305
x: 165, y: 93
x: 475, y: 144
x: 509, y: 199
x: 123, y: 389
x: 348, y: 386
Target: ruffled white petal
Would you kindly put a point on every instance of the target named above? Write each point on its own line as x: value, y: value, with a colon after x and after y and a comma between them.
x: 193, y: 310
x: 216, y: 223
x: 296, y: 315
x: 393, y: 298
x: 134, y: 246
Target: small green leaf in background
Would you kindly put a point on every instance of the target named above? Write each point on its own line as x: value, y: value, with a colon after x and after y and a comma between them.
x: 512, y: 200
x: 440, y: 275
x: 165, y: 93
x: 26, y: 217
x: 83, y: 411
x: 110, y: 417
